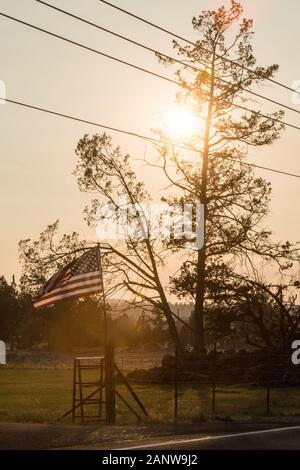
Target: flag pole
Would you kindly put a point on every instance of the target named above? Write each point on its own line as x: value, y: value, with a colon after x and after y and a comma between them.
x: 103, y: 298
x: 109, y: 362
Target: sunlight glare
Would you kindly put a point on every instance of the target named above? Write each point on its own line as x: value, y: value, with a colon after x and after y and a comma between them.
x: 182, y: 123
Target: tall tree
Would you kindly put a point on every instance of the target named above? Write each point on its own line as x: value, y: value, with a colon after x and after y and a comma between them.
x: 218, y: 71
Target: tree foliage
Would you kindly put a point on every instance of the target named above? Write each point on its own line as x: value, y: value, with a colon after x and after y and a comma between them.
x: 220, y: 69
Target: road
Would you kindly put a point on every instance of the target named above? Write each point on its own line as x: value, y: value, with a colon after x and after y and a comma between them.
x: 210, y: 436
x: 283, y: 438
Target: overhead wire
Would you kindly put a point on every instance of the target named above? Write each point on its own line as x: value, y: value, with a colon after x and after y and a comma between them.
x: 142, y: 69
x: 188, y: 41
x: 162, y: 54
x: 138, y: 135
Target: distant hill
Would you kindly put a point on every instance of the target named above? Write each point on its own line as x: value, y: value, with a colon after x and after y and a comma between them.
x: 119, y: 306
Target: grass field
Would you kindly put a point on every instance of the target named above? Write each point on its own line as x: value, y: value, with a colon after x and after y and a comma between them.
x: 38, y: 395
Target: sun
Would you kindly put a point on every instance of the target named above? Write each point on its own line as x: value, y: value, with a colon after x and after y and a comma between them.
x: 181, y: 124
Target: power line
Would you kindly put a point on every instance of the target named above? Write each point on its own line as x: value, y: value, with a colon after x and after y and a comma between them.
x: 74, y: 43
x: 174, y: 35
x: 155, y: 51
x: 142, y: 69
x: 140, y: 136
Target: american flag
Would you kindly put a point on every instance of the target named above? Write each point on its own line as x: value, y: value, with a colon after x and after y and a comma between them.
x: 78, y: 278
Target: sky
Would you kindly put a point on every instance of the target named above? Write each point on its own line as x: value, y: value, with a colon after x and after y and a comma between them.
x: 37, y: 155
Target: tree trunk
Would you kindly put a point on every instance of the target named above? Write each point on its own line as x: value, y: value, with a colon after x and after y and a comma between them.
x: 172, y: 327
x: 199, y: 342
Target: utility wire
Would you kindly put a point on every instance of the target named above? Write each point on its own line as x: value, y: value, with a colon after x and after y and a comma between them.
x: 155, y: 51
x: 140, y: 136
x: 142, y: 69
x: 174, y: 35
x: 74, y: 43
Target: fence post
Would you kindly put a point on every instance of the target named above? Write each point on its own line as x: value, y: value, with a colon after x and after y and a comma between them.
x: 214, y: 380
x: 176, y: 386
x: 268, y: 385
x: 110, y: 397
x: 268, y: 399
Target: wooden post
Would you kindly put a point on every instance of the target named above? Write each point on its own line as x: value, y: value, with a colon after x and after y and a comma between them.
x: 109, y: 360
x: 101, y: 388
x: 176, y: 386
x: 214, y: 381
x: 268, y: 399
x: 269, y: 366
x: 80, y: 391
x: 74, y: 390
x: 110, y: 390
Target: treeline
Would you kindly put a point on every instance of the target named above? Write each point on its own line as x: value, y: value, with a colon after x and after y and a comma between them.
x: 72, y: 324
x: 262, y: 323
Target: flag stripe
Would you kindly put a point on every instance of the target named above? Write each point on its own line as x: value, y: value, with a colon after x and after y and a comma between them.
x: 84, y: 282
x: 76, y: 282
x: 61, y: 274
x: 66, y: 290
x: 84, y: 276
x: 80, y: 293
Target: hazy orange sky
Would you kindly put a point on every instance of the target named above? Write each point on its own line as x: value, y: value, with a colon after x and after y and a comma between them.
x: 37, y: 150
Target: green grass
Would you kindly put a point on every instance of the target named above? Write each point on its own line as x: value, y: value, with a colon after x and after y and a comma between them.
x: 34, y: 395
x: 41, y: 395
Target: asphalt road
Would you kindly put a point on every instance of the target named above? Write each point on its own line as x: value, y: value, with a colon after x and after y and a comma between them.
x: 210, y: 436
x: 285, y: 438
